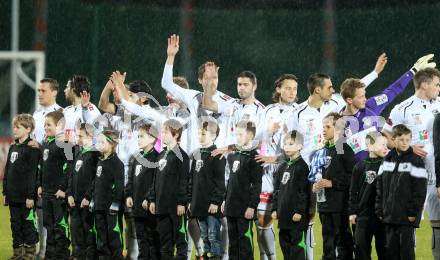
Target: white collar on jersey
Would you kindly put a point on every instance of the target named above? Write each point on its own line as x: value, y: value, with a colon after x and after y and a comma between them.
x: 423, y: 101
x: 50, y: 108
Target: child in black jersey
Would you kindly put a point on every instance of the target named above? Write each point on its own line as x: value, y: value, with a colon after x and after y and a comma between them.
x: 243, y: 192
x: 140, y: 181
x: 19, y: 188
x: 52, y: 185
x: 291, y: 199
x: 108, y: 196
x: 169, y: 195
x: 79, y: 192
x: 207, y: 189
x: 363, y: 197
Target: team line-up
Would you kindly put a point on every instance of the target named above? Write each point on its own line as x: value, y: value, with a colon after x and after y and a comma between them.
x: 198, y: 173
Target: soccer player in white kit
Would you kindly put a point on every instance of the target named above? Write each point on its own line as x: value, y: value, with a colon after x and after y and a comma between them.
x: 47, y: 95
x: 274, y: 123
x: 417, y: 113
x: 77, y: 92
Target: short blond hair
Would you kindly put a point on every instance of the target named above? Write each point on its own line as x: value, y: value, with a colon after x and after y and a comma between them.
x: 25, y: 120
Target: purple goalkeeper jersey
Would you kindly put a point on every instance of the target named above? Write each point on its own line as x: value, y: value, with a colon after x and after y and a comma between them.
x: 368, y: 119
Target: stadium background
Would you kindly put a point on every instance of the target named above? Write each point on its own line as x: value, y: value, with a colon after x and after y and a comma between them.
x: 93, y: 37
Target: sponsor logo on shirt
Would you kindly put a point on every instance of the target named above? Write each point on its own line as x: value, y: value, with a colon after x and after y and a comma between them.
x: 14, y: 156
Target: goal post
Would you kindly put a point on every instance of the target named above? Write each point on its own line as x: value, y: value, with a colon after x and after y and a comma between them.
x: 38, y: 58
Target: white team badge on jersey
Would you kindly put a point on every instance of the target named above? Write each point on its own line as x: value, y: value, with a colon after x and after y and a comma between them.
x: 78, y: 165
x: 98, y: 171
x: 286, y: 177
x: 235, y: 166
x: 162, y: 164
x: 14, y: 156
x: 45, y: 154
x: 199, y: 165
x: 137, y: 170
x: 370, y: 176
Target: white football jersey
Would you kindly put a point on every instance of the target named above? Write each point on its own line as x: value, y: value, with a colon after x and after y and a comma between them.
x: 308, y: 121
x: 39, y: 117
x: 193, y: 99
x: 75, y: 115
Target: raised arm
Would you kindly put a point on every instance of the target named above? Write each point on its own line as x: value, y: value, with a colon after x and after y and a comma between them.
x: 380, y: 102
x: 184, y: 95
x: 104, y: 101
x: 378, y: 68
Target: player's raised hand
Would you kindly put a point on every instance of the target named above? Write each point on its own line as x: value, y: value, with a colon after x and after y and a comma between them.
x: 85, y: 98
x: 424, y: 63
x: 173, y: 45
x: 118, y: 78
x: 381, y: 62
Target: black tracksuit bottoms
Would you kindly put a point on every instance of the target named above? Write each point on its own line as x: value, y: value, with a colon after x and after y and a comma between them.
x: 366, y: 228
x: 240, y: 238
x: 83, y: 233
x: 336, y: 235
x: 400, y: 242
x: 22, y: 225
x: 147, y: 238
x: 293, y: 244
x: 172, y: 232
x: 55, y: 220
x: 109, y: 234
